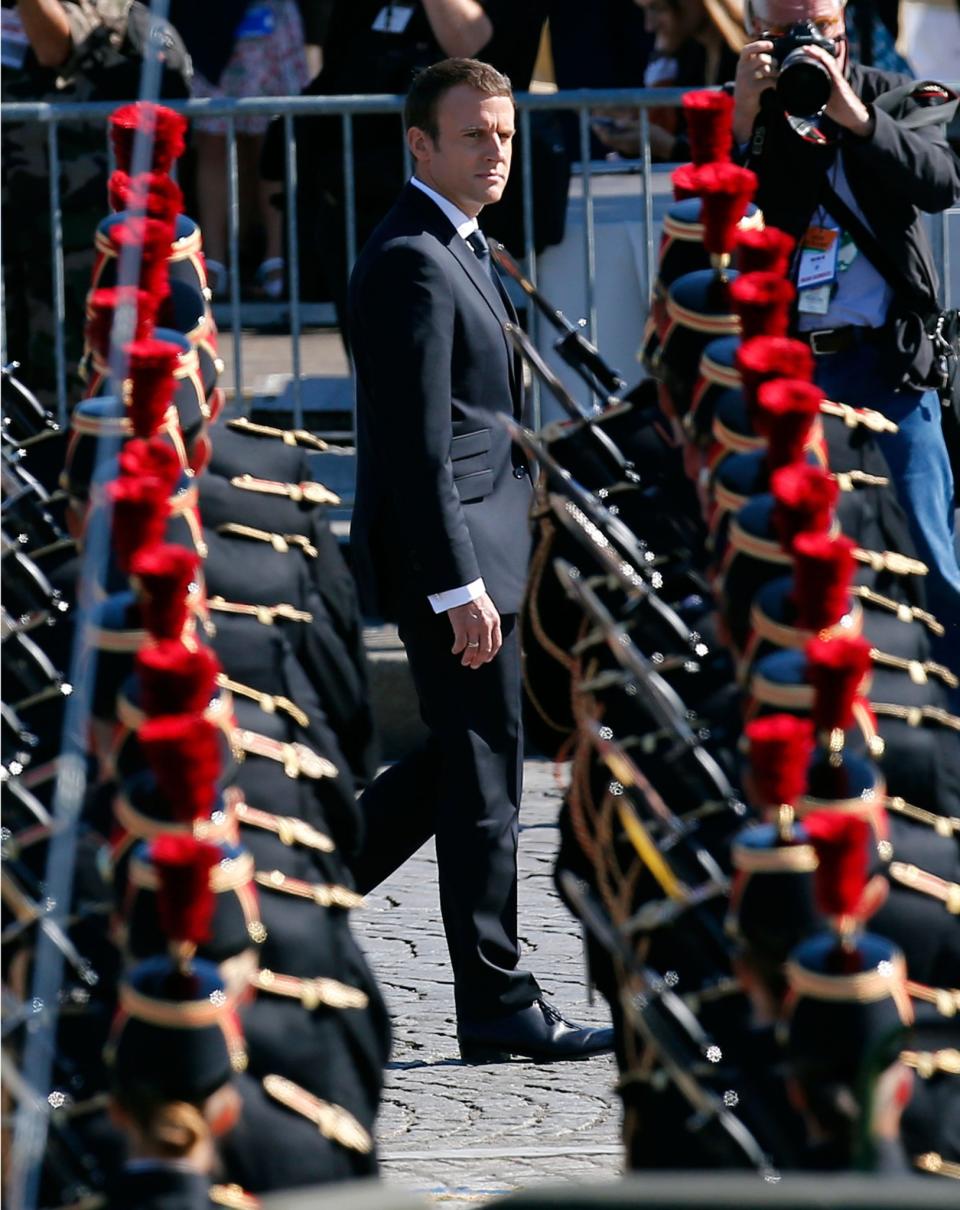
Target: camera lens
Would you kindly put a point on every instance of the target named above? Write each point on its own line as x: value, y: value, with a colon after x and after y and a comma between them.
x: 803, y: 85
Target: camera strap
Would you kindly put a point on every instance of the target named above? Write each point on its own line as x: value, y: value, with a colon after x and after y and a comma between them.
x: 873, y: 250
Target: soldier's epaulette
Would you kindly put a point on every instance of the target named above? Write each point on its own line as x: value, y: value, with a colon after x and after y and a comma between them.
x: 323, y: 894
x: 312, y: 993
x: 934, y: 1163
x: 333, y: 1121
x: 288, y: 436
x: 266, y: 615
x: 233, y: 1196
x: 281, y: 543
x: 297, y: 759
x: 927, y: 1063
x: 288, y: 828
x: 309, y: 490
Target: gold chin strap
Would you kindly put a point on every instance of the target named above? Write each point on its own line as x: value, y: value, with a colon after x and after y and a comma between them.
x: 288, y: 436
x: 936, y: 1165
x: 892, y: 561
x: 312, y: 993
x: 281, y: 543
x: 943, y: 825
x: 269, y: 703
x: 332, y: 1121
x: 289, y: 829
x: 313, y: 493
x: 853, y: 418
x: 266, y: 615
x: 927, y: 1063
x: 323, y: 894
x: 297, y: 759
x: 919, y: 672
x: 925, y: 883
x: 916, y: 716
x: 905, y: 612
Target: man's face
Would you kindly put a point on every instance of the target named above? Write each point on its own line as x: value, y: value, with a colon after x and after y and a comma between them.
x: 776, y: 16
x: 469, y: 160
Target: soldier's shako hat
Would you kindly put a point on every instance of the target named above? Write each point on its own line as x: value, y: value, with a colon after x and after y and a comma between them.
x: 699, y: 307
x: 849, y: 1010
x: 235, y: 924
x: 176, y: 1031
x: 106, y: 416
x: 184, y: 259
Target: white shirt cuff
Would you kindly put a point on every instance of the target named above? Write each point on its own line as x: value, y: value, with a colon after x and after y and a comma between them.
x: 442, y: 601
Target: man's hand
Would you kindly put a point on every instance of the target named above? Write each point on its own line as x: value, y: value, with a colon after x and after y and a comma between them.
x: 476, y: 631
x: 844, y: 107
x: 756, y: 72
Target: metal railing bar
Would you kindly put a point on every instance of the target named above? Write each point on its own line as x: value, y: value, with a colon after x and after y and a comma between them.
x: 589, y: 232
x: 59, y: 287
x: 648, y: 245
x: 233, y: 245
x: 293, y: 262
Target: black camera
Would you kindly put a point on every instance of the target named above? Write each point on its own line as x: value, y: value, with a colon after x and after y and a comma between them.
x: 803, y: 85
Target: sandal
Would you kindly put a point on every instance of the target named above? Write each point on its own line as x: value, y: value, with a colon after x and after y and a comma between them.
x: 270, y: 277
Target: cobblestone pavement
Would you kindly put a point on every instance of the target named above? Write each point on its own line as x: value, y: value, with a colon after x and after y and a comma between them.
x: 463, y: 1134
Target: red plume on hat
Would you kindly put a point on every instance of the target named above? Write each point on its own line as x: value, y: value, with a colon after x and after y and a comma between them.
x: 168, y: 130
x: 140, y: 511
x: 780, y: 747
x: 836, y: 669
x: 101, y: 305
x: 764, y: 250
x: 183, y: 753
x: 822, y: 572
x: 785, y: 411
x: 763, y: 302
x: 841, y: 840
x: 163, y: 573
x: 725, y: 191
x: 152, y: 193
x: 153, y: 456
x: 175, y: 678
x: 765, y: 357
x: 151, y: 364
x: 709, y: 117
x: 153, y: 237
x: 684, y: 181
x: 804, y: 498
x: 185, y: 898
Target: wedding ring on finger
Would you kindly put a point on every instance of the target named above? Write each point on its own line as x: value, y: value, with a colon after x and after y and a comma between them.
x: 476, y: 644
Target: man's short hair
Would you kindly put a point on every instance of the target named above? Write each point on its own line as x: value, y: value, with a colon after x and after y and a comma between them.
x: 430, y: 85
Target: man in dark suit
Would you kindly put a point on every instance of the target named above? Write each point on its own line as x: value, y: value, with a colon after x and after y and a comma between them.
x: 440, y: 543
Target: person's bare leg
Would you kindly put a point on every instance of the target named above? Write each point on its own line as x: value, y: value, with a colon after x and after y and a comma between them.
x: 211, y: 161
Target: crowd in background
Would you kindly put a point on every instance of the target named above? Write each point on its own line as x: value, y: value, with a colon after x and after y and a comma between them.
x: 258, y: 48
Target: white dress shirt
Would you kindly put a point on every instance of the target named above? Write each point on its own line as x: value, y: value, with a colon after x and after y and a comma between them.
x: 440, y: 602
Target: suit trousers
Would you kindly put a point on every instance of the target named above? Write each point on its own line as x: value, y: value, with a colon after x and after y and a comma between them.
x: 463, y: 785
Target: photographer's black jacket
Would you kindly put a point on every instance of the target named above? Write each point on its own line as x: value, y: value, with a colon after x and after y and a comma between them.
x: 894, y: 174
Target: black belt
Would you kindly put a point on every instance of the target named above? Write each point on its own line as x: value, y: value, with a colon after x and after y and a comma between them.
x: 838, y: 340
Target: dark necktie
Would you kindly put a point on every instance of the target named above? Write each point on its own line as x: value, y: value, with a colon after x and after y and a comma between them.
x: 481, y: 249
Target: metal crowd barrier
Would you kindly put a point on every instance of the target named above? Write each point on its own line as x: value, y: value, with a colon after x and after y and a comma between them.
x: 580, y: 102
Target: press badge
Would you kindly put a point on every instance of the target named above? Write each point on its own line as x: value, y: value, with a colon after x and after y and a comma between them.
x: 393, y: 19
x: 819, y: 256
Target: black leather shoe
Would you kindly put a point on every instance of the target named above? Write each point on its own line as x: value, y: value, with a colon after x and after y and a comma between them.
x: 537, y: 1032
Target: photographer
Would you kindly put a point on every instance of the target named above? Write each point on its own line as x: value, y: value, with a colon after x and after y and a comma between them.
x: 847, y: 170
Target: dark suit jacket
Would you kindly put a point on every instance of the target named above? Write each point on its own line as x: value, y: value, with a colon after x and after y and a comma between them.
x: 442, y: 494
x: 894, y: 174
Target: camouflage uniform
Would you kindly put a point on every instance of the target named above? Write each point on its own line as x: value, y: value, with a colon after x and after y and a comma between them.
x: 27, y: 257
